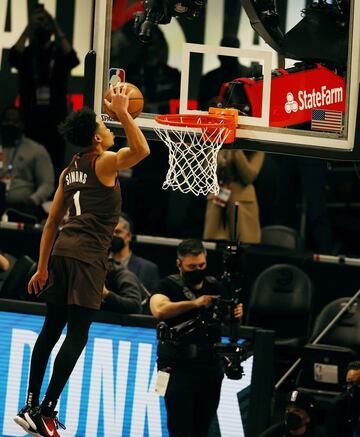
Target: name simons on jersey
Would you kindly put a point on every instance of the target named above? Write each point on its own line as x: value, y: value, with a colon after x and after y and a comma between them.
x: 76, y: 176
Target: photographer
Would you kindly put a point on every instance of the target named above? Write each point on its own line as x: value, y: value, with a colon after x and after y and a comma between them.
x: 300, y: 418
x: 187, y: 332
x: 344, y: 416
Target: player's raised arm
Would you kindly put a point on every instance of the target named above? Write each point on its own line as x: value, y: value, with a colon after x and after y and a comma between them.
x: 138, y: 147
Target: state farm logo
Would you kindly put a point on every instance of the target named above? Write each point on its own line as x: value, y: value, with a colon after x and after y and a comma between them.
x: 313, y: 99
x: 291, y: 105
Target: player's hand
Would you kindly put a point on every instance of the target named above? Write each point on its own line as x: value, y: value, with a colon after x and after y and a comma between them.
x: 238, y: 311
x: 37, y: 281
x: 119, y: 99
x: 205, y: 301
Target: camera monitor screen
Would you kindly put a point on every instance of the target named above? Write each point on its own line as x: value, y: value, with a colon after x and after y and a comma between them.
x: 291, y: 68
x: 112, y: 385
x: 324, y: 367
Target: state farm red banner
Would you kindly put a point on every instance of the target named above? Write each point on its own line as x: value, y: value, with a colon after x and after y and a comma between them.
x: 294, y: 94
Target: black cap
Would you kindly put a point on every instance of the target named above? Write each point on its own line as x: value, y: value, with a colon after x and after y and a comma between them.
x: 301, y: 400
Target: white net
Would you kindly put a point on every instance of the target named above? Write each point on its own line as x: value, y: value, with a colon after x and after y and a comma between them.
x: 193, y: 158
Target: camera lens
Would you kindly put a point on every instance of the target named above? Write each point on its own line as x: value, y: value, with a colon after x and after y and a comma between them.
x: 145, y: 32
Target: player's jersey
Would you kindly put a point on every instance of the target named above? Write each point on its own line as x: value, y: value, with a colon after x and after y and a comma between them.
x: 94, y: 211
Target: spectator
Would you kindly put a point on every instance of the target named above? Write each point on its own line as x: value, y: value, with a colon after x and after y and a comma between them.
x: 300, y: 419
x: 26, y: 170
x: 122, y: 291
x: 4, y: 269
x: 146, y: 67
x: 157, y: 80
x: 229, y: 69
x: 146, y: 271
x: 43, y: 69
x: 237, y: 170
x: 143, y: 199
x: 7, y: 263
x: 184, y: 302
x: 4, y: 263
x: 344, y: 415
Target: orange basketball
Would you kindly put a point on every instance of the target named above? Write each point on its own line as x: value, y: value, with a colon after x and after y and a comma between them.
x: 136, y: 102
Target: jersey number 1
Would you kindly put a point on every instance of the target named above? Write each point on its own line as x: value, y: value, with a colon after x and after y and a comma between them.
x: 76, y: 197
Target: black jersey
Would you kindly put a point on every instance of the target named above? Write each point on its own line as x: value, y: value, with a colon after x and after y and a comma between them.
x: 94, y: 211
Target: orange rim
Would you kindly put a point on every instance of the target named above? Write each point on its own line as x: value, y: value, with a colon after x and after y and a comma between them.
x: 195, y: 120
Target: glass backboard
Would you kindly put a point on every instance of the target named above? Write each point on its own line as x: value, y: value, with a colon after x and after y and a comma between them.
x: 292, y: 71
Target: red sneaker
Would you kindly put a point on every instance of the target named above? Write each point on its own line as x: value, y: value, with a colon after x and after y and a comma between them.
x: 43, y: 425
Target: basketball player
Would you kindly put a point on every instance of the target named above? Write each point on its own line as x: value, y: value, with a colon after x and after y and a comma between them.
x: 89, y: 189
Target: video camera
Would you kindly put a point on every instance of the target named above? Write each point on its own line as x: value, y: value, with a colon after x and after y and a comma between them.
x: 231, y: 353
x: 175, y: 334
x: 161, y: 12
x: 222, y: 308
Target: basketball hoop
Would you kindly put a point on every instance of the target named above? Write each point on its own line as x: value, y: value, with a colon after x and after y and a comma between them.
x: 194, y: 142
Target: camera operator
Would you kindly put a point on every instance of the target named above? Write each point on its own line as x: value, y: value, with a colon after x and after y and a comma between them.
x: 344, y: 416
x: 187, y: 332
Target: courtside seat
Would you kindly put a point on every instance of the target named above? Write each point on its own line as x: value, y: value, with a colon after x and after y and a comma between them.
x: 281, y: 236
x: 346, y: 331
x: 281, y: 300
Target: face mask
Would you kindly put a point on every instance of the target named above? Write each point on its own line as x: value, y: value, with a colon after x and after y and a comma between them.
x: 10, y: 134
x: 117, y: 244
x: 293, y: 421
x: 194, y: 277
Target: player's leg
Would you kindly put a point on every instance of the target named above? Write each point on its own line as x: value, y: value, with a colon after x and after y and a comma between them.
x: 55, y: 320
x: 43, y: 418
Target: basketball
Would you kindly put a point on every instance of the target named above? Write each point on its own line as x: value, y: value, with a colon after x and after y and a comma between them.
x: 136, y: 102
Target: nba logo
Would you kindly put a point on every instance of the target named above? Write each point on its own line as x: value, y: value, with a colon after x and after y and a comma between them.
x: 116, y: 75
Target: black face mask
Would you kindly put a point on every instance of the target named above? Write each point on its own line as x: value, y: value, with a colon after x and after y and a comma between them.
x: 10, y: 134
x: 194, y: 277
x: 293, y: 421
x: 117, y: 244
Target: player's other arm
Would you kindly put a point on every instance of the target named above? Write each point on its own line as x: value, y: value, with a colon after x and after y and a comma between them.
x: 138, y: 147
x: 55, y: 217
